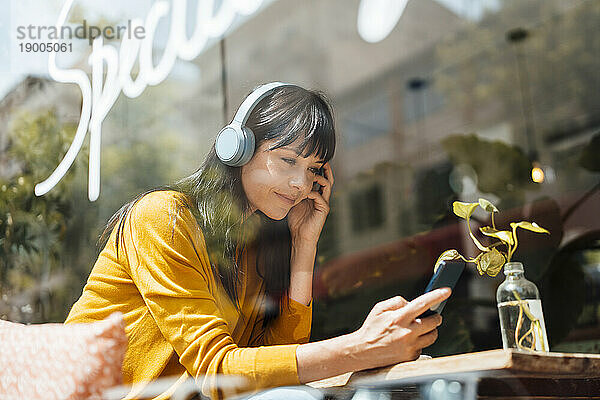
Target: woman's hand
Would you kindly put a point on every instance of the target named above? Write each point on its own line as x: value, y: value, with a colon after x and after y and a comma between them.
x: 392, y: 333
x: 306, y: 219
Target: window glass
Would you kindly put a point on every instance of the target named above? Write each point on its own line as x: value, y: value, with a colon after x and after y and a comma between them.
x: 461, y: 100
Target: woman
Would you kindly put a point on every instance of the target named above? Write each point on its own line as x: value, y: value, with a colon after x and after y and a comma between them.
x: 214, y: 274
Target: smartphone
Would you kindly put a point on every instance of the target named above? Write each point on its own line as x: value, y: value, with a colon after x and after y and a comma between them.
x: 446, y: 275
x: 316, y: 187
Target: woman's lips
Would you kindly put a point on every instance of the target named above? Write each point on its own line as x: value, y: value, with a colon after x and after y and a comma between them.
x: 286, y: 199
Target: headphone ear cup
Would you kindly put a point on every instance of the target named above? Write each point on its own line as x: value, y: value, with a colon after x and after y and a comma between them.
x: 235, y: 145
x: 228, y: 144
x: 249, y: 142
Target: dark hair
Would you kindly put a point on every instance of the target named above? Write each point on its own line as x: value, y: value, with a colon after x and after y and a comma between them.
x: 218, y: 201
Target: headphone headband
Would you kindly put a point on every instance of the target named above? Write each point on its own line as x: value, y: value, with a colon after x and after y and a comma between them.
x: 235, y: 142
x: 243, y: 113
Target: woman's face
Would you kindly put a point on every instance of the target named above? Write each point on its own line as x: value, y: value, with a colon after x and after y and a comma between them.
x: 276, y: 180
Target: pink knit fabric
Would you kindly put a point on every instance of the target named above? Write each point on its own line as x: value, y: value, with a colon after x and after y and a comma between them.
x: 56, y: 361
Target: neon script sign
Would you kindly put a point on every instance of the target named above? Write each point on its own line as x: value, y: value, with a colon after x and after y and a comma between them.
x: 376, y: 19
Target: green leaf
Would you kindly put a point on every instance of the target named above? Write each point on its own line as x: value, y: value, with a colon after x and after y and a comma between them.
x: 476, y: 262
x: 464, y: 210
x: 446, y: 256
x: 479, y: 269
x: 491, y: 262
x: 504, y: 236
x: 487, y: 206
x: 530, y: 226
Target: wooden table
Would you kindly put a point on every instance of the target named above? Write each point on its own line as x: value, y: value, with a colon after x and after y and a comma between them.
x: 490, y: 374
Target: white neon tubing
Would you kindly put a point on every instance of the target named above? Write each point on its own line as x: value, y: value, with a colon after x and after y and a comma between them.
x: 190, y: 49
x: 247, y: 7
x: 377, y: 18
x: 221, y: 21
x: 128, y: 53
x: 104, y: 96
x: 151, y: 74
x: 68, y: 76
x: 98, y: 97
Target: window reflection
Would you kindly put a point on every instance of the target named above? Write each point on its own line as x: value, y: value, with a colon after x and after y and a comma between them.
x: 447, y: 107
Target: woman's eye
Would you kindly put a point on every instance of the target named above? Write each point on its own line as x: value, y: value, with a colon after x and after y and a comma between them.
x: 314, y: 170
x: 290, y: 161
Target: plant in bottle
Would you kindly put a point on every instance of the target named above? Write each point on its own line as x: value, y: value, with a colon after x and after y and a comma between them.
x: 519, y: 305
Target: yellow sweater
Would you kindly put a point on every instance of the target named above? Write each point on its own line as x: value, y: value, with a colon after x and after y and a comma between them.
x: 178, y: 317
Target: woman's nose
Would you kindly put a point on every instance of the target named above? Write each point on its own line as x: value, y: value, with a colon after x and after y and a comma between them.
x: 300, y: 181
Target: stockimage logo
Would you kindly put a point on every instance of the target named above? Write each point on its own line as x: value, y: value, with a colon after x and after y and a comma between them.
x: 82, y: 31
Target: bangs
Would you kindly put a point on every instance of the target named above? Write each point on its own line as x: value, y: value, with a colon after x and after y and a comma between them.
x: 311, y: 124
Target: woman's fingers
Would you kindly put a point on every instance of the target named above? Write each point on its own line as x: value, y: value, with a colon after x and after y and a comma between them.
x: 325, y: 186
x: 320, y: 203
x: 328, y: 173
x: 423, y: 325
x: 321, y: 180
x: 390, y: 335
x: 390, y: 304
x: 422, y: 303
x: 326, y: 181
x: 427, y: 339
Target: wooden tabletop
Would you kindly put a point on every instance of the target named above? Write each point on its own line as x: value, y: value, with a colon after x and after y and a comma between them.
x: 493, y: 362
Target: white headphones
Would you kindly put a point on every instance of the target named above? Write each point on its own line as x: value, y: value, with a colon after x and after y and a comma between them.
x: 235, y: 142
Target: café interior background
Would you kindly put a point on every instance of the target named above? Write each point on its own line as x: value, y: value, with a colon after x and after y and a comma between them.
x: 459, y: 101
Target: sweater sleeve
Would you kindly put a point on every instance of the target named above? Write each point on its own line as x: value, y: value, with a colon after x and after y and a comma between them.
x: 292, y: 325
x: 169, y: 265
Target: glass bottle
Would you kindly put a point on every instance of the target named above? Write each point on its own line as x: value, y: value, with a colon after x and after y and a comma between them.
x: 520, y: 310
